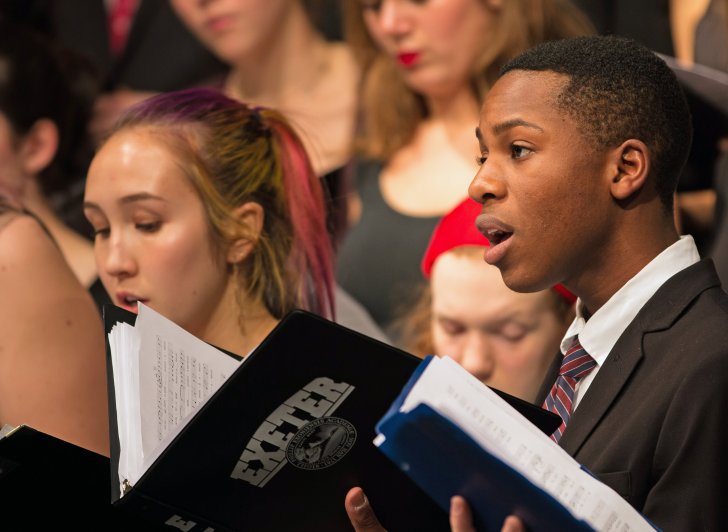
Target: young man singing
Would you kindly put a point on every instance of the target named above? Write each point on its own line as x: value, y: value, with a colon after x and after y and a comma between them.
x: 582, y: 142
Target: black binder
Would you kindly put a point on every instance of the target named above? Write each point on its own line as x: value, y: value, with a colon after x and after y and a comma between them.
x: 296, y: 476
x: 191, y: 484
x: 47, y: 484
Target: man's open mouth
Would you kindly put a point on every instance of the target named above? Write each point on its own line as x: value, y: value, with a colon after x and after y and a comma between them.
x: 496, y: 236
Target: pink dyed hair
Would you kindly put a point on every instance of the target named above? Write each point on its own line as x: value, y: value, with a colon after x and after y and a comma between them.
x: 233, y: 154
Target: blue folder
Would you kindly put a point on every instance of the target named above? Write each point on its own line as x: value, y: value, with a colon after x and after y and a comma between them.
x: 444, y: 461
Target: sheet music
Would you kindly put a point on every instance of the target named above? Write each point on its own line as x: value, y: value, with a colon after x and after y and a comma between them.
x: 162, y: 376
x: 506, y: 434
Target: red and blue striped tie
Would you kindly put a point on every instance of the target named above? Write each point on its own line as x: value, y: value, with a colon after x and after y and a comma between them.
x: 577, y: 363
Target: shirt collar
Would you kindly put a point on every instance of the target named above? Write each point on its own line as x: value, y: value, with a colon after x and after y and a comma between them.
x: 599, y: 334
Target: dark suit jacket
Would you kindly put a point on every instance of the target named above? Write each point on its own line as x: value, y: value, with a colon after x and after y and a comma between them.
x: 653, y: 423
x: 161, y: 55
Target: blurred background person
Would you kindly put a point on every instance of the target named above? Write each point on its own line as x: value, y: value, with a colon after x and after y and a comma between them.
x: 507, y: 339
x: 52, y: 362
x: 278, y: 58
x: 426, y: 67
x: 137, y: 47
x: 46, y: 99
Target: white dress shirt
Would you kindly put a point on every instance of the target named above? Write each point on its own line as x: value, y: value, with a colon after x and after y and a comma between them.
x: 601, y: 331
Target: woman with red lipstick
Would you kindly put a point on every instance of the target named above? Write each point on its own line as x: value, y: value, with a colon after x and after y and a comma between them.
x: 208, y: 211
x: 52, y: 370
x: 426, y: 67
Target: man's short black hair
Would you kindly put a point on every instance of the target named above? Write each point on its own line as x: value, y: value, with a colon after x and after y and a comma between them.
x: 618, y: 89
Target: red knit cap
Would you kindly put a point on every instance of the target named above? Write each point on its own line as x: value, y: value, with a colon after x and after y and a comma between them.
x: 457, y: 228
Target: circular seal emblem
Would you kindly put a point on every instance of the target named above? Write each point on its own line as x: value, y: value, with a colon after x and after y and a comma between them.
x: 321, y: 443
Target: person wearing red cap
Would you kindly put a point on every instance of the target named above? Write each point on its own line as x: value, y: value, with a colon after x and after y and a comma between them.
x: 505, y: 338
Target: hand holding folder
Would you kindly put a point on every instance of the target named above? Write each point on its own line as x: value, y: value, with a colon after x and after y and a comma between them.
x: 454, y: 436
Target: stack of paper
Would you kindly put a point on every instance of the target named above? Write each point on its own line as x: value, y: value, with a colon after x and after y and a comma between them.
x: 157, y: 395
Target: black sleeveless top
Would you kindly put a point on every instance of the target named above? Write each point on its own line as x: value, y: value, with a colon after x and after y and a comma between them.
x: 379, y: 260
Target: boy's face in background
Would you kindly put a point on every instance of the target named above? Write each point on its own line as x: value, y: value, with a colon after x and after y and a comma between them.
x: 506, y: 339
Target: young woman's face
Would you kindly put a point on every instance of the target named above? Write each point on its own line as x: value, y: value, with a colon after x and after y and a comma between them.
x: 233, y: 29
x: 435, y: 43
x: 153, y: 241
x: 506, y: 339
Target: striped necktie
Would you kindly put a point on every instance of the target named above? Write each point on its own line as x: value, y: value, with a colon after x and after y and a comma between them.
x: 577, y: 363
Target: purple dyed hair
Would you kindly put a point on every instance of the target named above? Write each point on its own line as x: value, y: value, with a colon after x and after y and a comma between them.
x: 235, y: 154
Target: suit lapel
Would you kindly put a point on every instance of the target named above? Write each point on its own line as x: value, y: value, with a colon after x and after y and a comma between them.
x: 659, y: 313
x: 612, y: 376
